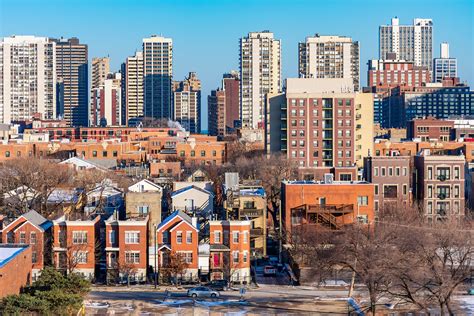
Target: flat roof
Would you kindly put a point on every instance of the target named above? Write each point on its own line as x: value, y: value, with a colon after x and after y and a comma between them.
x: 322, y: 182
x: 7, y: 253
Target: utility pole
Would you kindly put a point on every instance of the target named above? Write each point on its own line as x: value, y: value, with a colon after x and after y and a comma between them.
x: 156, y: 255
x: 280, y: 233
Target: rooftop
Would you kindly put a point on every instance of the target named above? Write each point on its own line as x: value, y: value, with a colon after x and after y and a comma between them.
x: 8, y: 252
x: 312, y: 182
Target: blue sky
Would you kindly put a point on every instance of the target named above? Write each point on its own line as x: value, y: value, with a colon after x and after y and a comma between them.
x: 206, y: 33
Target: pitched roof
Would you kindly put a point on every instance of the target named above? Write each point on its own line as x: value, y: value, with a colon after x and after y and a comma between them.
x: 185, y: 217
x: 36, y: 218
x: 182, y: 190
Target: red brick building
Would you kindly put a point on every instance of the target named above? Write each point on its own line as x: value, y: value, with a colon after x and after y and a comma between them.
x: 126, y: 248
x: 75, y: 244
x: 330, y: 204
x: 15, y: 268
x: 230, y: 250
x: 30, y: 229
x: 178, y: 234
x: 392, y: 73
x: 430, y: 129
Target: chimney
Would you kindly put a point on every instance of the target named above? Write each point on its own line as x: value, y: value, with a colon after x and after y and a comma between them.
x: 194, y: 221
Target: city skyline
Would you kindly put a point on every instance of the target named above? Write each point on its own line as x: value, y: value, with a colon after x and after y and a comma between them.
x: 213, y: 59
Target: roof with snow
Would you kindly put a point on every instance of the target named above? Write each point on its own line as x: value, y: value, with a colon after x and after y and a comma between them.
x: 185, y: 217
x: 188, y: 188
x: 9, y: 252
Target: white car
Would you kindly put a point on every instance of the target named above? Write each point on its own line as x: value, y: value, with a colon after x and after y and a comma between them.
x: 202, y: 291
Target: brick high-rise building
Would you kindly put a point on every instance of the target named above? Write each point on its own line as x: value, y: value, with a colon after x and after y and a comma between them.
x: 329, y: 57
x: 408, y: 42
x: 33, y: 59
x: 223, y: 106
x: 316, y: 127
x: 72, y: 81
x: 106, y: 102
x: 187, y: 103
x: 260, y: 73
x: 132, y: 88
x: 385, y: 74
x: 100, y: 70
x: 157, y: 76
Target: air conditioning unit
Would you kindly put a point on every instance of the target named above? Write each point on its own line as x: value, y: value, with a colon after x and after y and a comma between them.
x: 328, y: 178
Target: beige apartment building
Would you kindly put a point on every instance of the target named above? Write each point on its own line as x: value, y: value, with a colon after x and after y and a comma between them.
x: 329, y: 57
x: 28, y: 72
x: 132, y: 87
x: 187, y: 103
x: 100, y: 70
x: 249, y: 203
x: 260, y: 73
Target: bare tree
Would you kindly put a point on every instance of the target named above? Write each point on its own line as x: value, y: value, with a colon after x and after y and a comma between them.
x: 175, y: 266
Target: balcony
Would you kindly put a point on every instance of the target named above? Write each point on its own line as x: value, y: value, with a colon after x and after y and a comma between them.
x: 443, y: 177
x: 256, y: 232
x: 328, y: 215
x: 250, y: 212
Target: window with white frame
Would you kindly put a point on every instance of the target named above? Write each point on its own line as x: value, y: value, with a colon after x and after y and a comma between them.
x: 165, y: 237
x: 217, y: 237
x: 235, y: 256
x: 363, y: 200
x: 246, y: 236
x: 235, y: 237
x: 189, y: 237
x: 246, y: 256
x: 33, y: 238
x: 22, y: 238
x: 132, y: 237
x: 179, y: 237
x: 112, y: 236
x: 143, y: 209
x: 187, y: 257
x: 79, y: 237
x: 34, y: 257
x: 79, y: 256
x: 132, y: 257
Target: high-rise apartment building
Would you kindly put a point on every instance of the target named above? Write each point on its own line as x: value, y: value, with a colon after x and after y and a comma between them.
x: 72, y: 81
x: 132, y: 88
x: 27, y: 78
x: 260, y: 73
x: 444, y: 66
x: 158, y: 73
x: 329, y: 57
x: 187, y: 103
x: 408, y: 42
x: 223, y: 106
x: 317, y: 127
x: 106, y: 102
x: 100, y: 70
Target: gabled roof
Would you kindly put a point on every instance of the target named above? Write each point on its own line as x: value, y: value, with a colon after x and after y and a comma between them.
x: 147, y: 182
x: 179, y: 214
x: 188, y: 188
x: 35, y: 219
x: 80, y: 162
x: 184, y: 223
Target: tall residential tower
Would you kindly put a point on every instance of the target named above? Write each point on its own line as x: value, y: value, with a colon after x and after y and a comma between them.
x: 27, y: 78
x: 158, y: 73
x: 329, y: 57
x: 132, y: 88
x: 444, y: 66
x: 260, y: 73
x: 408, y: 42
x: 72, y: 81
x: 187, y: 103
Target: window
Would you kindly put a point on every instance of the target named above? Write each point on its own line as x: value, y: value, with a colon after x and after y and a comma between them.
x: 112, y: 236
x: 181, y: 153
x: 456, y: 191
x: 429, y: 209
x: 179, y: 237
x: 79, y: 237
x: 376, y: 171
x: 217, y: 237
x: 246, y: 236
x: 203, y: 153
x: 193, y: 153
x: 132, y: 257
x: 456, y: 173
x: 165, y: 237
x: 132, y: 237
x: 114, y: 153
x: 397, y: 171
x: 94, y: 153
x: 383, y: 172
x: 143, y: 209
x: 363, y: 200
x: 390, y: 191
x: 33, y: 238
x: 405, y: 189
x: 214, y: 153
x: 443, y: 173
x: 376, y: 189
x: 430, y: 191
x: 104, y: 153
x: 235, y: 237
x: 188, y: 257
x: 235, y: 256
x: 246, y: 256
x: 7, y: 154
x: 79, y: 257
x: 405, y: 172
x: 189, y: 237
x: 22, y: 238
x: 390, y: 171
x: 34, y: 257
x: 345, y: 177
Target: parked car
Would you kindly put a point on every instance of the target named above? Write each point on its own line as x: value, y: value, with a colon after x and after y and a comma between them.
x: 218, y: 285
x: 269, y: 271
x: 202, y: 291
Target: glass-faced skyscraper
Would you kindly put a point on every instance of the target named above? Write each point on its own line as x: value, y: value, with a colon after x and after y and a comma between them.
x: 407, y: 42
x: 157, y: 76
x: 444, y: 66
